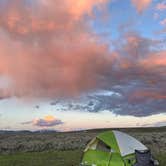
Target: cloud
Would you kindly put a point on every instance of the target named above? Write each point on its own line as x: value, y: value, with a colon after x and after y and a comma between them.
x: 4, y: 83
x: 156, y: 16
x: 142, y: 59
x: 156, y: 124
x: 48, y: 121
x: 138, y: 75
x: 160, y: 124
x: 141, y: 5
x: 128, y: 98
x: 143, y: 94
x: 40, y: 17
x: 48, y: 49
x: 161, y: 6
x: 163, y: 22
x: 4, y: 94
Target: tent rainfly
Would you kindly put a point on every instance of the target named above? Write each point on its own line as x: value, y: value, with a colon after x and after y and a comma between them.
x: 112, y: 148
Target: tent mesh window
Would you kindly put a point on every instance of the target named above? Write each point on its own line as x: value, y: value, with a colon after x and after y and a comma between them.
x: 103, y: 147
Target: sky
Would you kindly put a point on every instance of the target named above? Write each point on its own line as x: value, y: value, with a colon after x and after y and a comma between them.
x: 81, y: 64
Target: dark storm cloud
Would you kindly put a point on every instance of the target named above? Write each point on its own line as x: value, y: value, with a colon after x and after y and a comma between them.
x: 120, y: 102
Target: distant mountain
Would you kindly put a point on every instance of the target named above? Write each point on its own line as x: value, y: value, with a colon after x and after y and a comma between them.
x: 26, y: 131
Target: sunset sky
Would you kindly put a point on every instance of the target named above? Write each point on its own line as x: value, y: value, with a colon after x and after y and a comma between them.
x: 80, y: 64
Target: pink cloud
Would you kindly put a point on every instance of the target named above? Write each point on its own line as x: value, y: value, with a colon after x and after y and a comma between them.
x: 140, y: 95
x: 141, y: 5
x: 49, y: 50
x: 163, y: 22
x: 161, y: 6
x: 154, y: 60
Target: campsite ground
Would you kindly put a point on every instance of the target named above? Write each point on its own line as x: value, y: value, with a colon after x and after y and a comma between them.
x: 65, y: 149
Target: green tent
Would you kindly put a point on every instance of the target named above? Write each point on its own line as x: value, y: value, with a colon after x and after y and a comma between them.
x: 111, y: 148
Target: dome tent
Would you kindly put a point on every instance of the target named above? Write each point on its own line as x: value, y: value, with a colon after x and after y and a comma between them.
x: 112, y: 148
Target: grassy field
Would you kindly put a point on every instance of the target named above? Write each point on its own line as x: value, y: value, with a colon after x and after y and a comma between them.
x: 60, y: 158
x: 65, y: 149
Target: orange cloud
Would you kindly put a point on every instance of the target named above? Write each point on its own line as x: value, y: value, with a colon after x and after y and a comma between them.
x: 79, y: 7
x: 141, y: 5
x: 47, y: 121
x: 49, y: 118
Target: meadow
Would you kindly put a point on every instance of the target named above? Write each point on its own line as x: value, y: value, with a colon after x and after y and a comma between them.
x: 65, y: 149
x: 59, y: 158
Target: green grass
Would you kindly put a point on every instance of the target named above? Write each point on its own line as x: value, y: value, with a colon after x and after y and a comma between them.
x: 60, y: 158
x: 162, y: 159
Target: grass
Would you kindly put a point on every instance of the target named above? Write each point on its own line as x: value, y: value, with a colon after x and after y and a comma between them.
x: 57, y: 158
x: 65, y: 149
x: 61, y: 158
x: 162, y: 159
